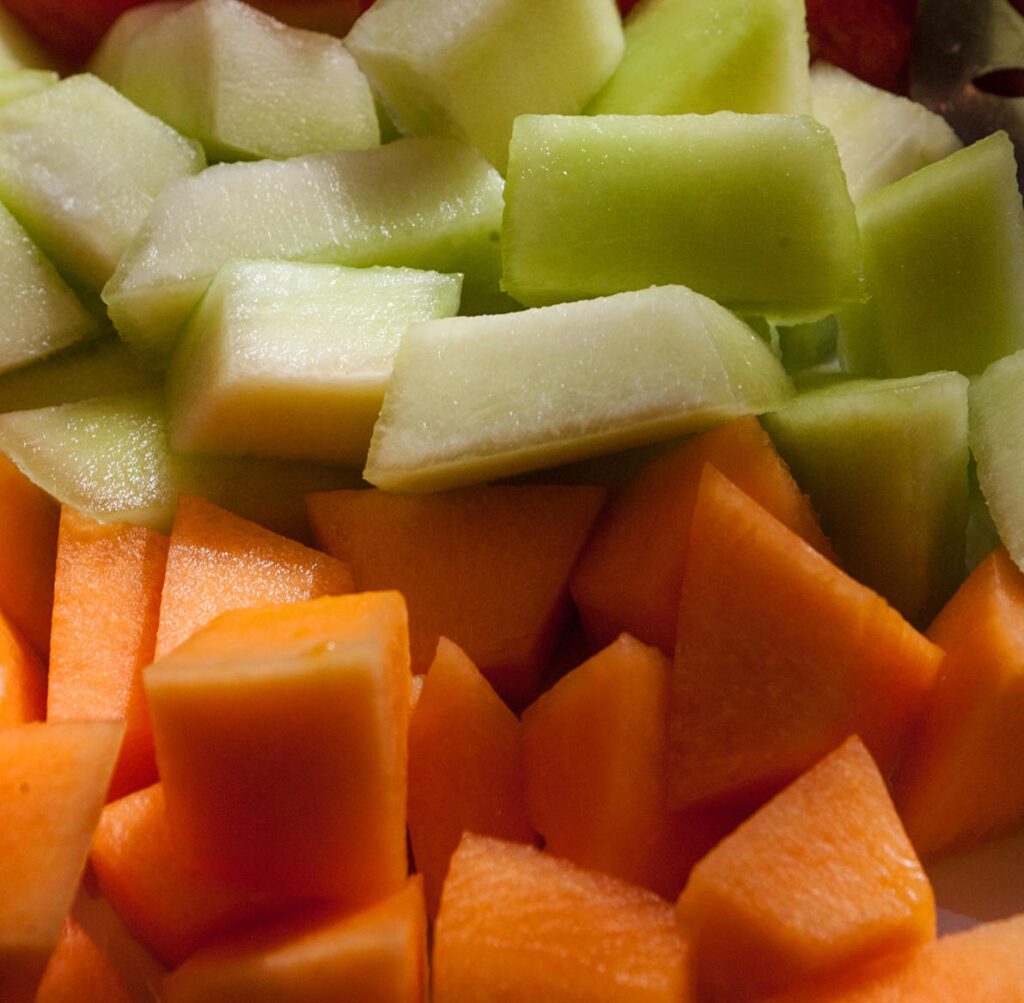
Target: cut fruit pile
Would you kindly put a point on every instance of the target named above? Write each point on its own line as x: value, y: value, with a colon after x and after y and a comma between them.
x: 512, y: 505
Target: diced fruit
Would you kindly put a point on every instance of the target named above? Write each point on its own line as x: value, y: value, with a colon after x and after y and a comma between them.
x: 779, y: 656
x: 881, y: 137
x: 732, y: 55
x: 518, y: 925
x: 291, y: 360
x: 80, y: 166
x: 316, y: 806
x: 751, y: 210
x: 487, y: 567
x: 422, y: 203
x: 885, y: 464
x: 377, y: 955
x: 16, y: 84
x: 821, y: 879
x: 22, y: 678
x: 109, y: 576
x: 472, y: 69
x: 944, y: 253
x: 244, y: 85
x: 18, y: 49
x: 477, y: 398
x: 465, y: 766
x: 79, y: 970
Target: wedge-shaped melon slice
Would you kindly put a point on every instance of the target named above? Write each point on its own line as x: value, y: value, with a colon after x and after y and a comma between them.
x: 477, y: 398
x: 882, y: 137
x: 820, y: 879
x: 80, y: 166
x: 243, y: 84
x: 291, y: 360
x: 885, y: 463
x: 472, y: 68
x: 751, y: 210
x: 41, y: 314
x: 315, y: 806
x: 944, y: 254
x: 423, y: 203
x: 16, y: 84
x: 53, y: 778
x: 733, y: 55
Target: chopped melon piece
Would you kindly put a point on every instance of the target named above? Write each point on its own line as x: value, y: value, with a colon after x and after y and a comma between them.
x: 16, y: 84
x: 17, y: 46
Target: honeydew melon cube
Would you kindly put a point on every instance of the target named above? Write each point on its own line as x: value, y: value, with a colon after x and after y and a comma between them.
x: 41, y: 314
x: 751, y: 210
x: 944, y: 255
x: 243, y: 84
x: 691, y: 56
x: 470, y: 67
x: 885, y: 463
x: 431, y: 203
x: 16, y: 84
x: 476, y: 398
x: 18, y: 49
x: 291, y: 360
x: 80, y: 166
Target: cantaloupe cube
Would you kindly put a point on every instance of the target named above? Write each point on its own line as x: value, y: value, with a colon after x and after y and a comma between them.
x: 22, y: 678
x: 79, y: 971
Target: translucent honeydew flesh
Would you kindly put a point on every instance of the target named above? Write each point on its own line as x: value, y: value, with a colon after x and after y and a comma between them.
x: 475, y: 398
x: 751, y: 210
x: 429, y: 203
x: 471, y: 66
x: 291, y: 360
x: 732, y: 55
x: 16, y: 84
x: 243, y: 84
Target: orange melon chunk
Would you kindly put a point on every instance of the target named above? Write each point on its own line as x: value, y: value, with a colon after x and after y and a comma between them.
x: 520, y: 926
x: 377, y: 955
x: 53, y: 778
x: 962, y: 779
x: 22, y: 678
x: 110, y: 577
x: 780, y: 656
x: 79, y: 971
x: 465, y: 766
x: 486, y: 567
x: 631, y: 572
x: 218, y: 561
x: 281, y: 740
x: 821, y: 878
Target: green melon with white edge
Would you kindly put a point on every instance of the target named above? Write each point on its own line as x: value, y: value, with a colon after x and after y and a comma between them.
x: 944, y: 255
x: 751, y: 210
x: 882, y: 137
x: 291, y: 360
x: 41, y: 314
x: 885, y: 463
x: 80, y: 166
x: 996, y: 421
x: 732, y: 55
x: 476, y: 398
x: 243, y: 84
x: 15, y: 84
x: 472, y: 66
x: 431, y: 203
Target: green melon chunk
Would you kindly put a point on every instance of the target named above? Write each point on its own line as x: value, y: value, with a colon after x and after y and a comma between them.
x: 80, y: 166
x: 476, y: 398
x: 808, y: 346
x: 243, y: 84
x: 18, y: 49
x: 108, y: 458
x: 291, y: 360
x: 471, y: 68
x: 690, y: 56
x: 16, y: 84
x: 41, y: 314
x: 944, y: 253
x: 982, y: 534
x: 882, y: 137
x: 997, y: 423
x: 885, y: 464
x: 751, y: 210
x: 429, y: 203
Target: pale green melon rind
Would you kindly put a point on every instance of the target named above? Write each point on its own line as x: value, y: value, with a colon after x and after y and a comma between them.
x: 944, y: 253
x: 430, y: 203
x: 996, y: 420
x: 734, y: 55
x: 751, y: 210
x: 473, y: 399
x: 469, y: 67
x: 885, y: 463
